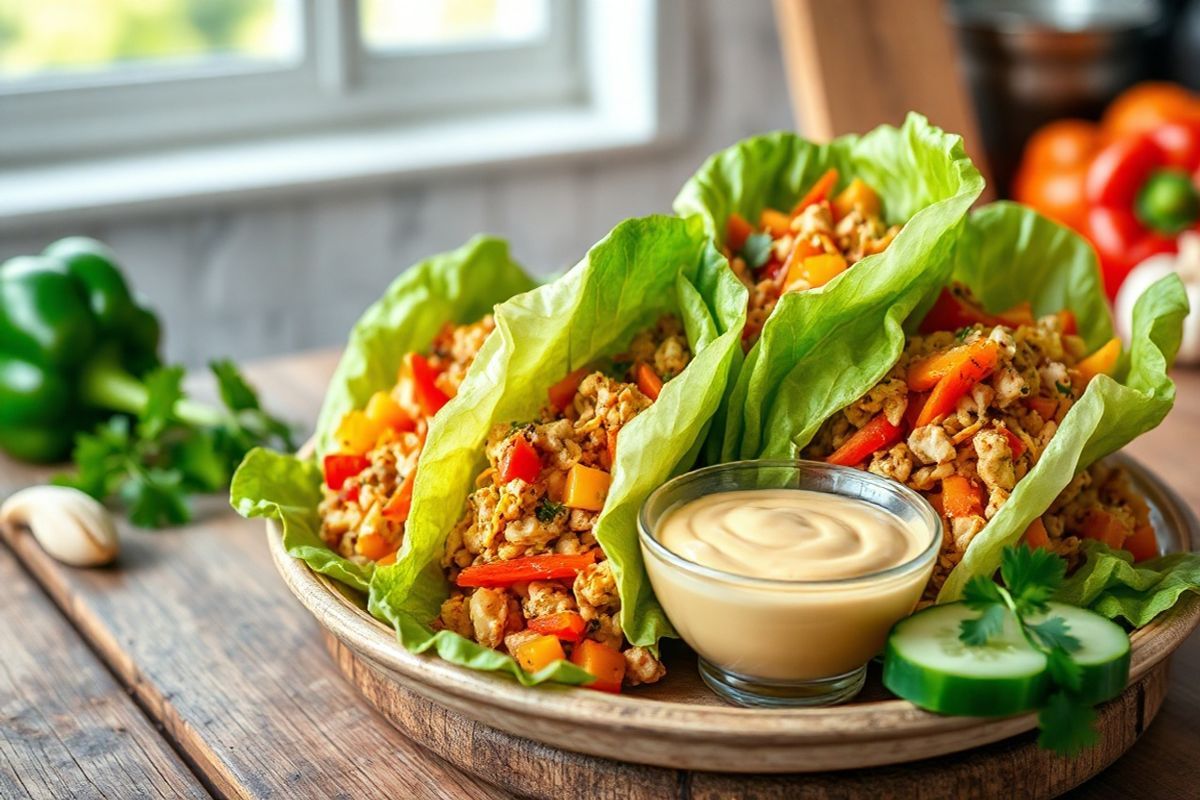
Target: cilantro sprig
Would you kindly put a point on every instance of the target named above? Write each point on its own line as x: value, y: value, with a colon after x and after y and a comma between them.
x: 1031, y: 577
x: 151, y: 462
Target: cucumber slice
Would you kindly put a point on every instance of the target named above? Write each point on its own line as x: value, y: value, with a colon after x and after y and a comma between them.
x: 927, y: 664
x: 1105, y: 654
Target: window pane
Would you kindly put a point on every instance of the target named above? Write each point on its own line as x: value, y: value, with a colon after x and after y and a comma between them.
x: 409, y: 24
x: 56, y: 38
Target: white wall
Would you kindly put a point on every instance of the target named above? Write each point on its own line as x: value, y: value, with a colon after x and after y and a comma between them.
x: 286, y: 274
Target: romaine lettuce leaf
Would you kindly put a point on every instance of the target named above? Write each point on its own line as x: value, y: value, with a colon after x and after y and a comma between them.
x: 459, y: 286
x: 1010, y: 253
x: 821, y: 349
x: 1110, y: 584
x: 643, y: 268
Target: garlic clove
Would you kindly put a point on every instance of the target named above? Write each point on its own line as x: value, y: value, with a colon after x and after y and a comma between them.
x: 69, y: 525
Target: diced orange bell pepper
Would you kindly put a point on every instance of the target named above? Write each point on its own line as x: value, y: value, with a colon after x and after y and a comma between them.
x: 794, y: 265
x: 857, y: 194
x: 978, y: 365
x: 566, y: 625
x: 875, y: 435
x: 384, y: 411
x: 822, y: 187
x: 925, y: 373
x: 372, y: 545
x: 586, y: 488
x: 775, y: 222
x: 1104, y: 527
x: 1101, y: 362
x: 648, y: 381
x: 1046, y: 407
x: 338, y: 467
x: 400, y: 503
x: 563, y: 392
x: 737, y: 231
x: 960, y: 497
x: 539, y: 653
x: 547, y: 567
x: 1035, y: 535
x: 607, y: 664
x: 428, y: 395
x: 820, y: 269
x: 389, y: 559
x: 1143, y: 544
x: 356, y: 434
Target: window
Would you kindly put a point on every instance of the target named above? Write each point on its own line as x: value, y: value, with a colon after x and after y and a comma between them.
x: 107, y: 105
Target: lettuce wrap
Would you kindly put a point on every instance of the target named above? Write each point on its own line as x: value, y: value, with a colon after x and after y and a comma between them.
x: 642, y: 269
x: 818, y: 346
x: 1009, y: 253
x: 460, y: 286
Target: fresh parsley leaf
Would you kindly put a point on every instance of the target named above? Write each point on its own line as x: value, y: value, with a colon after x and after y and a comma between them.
x: 981, y: 592
x: 236, y: 394
x: 1064, y: 670
x: 1054, y: 634
x: 1032, y: 576
x: 201, y: 462
x: 155, y: 498
x: 976, y: 632
x: 1063, y: 388
x: 547, y: 510
x: 962, y: 333
x: 757, y: 249
x: 1067, y: 725
x: 164, y: 387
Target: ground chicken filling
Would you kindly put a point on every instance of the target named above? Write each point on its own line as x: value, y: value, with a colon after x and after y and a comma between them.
x: 824, y: 235
x: 529, y: 576
x: 965, y: 414
x: 368, y: 481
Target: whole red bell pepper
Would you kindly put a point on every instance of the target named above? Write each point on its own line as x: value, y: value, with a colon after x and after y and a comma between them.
x: 1143, y: 191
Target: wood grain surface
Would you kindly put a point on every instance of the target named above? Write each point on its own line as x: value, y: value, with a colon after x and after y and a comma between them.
x: 198, y: 626
x: 67, y: 728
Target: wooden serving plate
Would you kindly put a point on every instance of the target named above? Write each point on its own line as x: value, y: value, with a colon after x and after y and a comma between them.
x: 678, y: 738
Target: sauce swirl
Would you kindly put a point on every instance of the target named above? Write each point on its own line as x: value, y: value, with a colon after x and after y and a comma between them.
x: 789, y: 534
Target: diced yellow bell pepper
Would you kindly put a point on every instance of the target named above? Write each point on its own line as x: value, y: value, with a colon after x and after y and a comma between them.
x: 539, y: 653
x: 383, y: 410
x: 356, y: 433
x: 1101, y: 362
x: 586, y: 488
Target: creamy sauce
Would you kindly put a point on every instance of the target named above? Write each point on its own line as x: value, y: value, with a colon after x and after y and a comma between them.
x: 789, y: 534
x: 792, y: 628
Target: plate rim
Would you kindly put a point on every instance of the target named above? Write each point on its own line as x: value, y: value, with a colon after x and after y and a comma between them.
x: 872, y: 721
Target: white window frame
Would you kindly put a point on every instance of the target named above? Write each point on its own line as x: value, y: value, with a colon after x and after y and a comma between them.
x: 611, y: 75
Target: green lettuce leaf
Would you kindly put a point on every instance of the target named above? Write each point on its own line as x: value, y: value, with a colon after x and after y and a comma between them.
x: 460, y: 286
x: 287, y: 489
x: 1010, y: 253
x: 643, y: 268
x: 1111, y: 585
x: 821, y: 349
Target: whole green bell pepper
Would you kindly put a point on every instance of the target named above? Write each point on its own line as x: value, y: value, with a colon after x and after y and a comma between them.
x: 73, y: 342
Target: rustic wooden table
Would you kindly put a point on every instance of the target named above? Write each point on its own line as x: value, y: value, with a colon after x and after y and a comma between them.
x: 188, y: 670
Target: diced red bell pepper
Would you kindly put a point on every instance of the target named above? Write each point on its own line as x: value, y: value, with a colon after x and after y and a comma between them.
x: 951, y: 312
x: 1015, y: 445
x: 566, y: 625
x: 341, y: 466
x: 875, y: 435
x: 1142, y: 545
x: 563, y: 392
x: 429, y: 396
x: 520, y: 461
x: 1067, y: 322
x: 530, y: 568
x: 737, y: 231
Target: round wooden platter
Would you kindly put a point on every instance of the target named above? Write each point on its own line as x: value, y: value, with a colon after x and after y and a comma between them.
x: 676, y: 738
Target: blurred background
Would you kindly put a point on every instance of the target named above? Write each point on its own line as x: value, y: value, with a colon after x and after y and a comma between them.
x: 264, y: 168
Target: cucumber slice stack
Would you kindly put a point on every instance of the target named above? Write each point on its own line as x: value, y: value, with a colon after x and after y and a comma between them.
x: 927, y: 664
